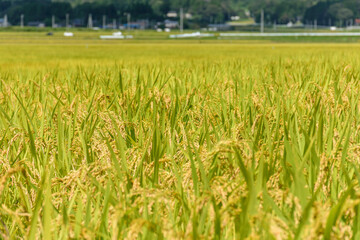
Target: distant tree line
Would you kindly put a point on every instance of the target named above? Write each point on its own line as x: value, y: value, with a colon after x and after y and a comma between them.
x: 324, y: 12
x: 202, y: 12
x: 334, y: 13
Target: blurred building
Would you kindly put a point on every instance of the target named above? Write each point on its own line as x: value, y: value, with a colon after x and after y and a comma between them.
x: 172, y: 14
x: 139, y: 24
x: 219, y: 27
x: 171, y: 24
x: 4, y: 23
x: 36, y: 24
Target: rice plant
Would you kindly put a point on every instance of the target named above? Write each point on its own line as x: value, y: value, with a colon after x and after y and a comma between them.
x: 175, y: 141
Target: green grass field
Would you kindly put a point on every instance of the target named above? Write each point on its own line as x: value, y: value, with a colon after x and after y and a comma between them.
x: 84, y: 36
x: 179, y: 141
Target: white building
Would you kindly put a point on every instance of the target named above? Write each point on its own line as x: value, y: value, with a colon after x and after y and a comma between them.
x: 4, y: 22
x: 172, y: 14
x: 171, y: 24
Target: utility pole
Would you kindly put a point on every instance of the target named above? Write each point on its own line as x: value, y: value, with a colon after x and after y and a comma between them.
x: 53, y: 21
x: 104, y: 21
x: 90, y: 22
x: 315, y: 24
x: 67, y: 21
x: 22, y: 20
x: 262, y: 21
x: 5, y: 20
x: 114, y: 23
x: 181, y: 19
x: 128, y: 20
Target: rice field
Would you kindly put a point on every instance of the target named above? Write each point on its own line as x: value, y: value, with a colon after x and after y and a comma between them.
x: 179, y: 141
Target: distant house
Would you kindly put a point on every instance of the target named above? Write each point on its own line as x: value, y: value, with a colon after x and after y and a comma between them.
x: 172, y: 14
x: 36, y: 24
x: 188, y: 16
x: 78, y: 22
x: 2, y: 23
x: 171, y: 24
x: 140, y: 24
x: 219, y: 27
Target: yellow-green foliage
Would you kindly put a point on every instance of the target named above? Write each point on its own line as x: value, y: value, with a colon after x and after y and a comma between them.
x: 174, y: 141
